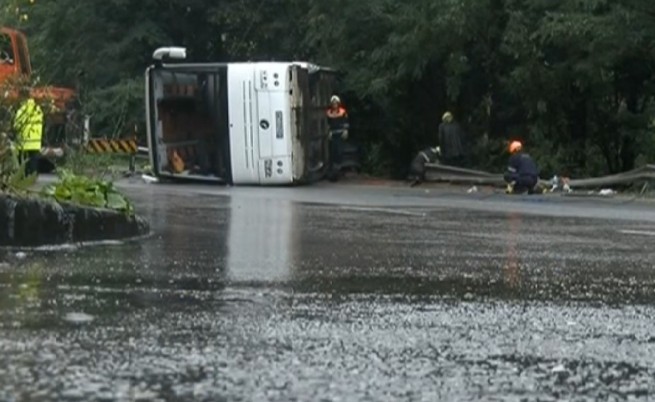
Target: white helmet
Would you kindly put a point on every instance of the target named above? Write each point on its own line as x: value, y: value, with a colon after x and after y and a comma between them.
x: 335, y: 98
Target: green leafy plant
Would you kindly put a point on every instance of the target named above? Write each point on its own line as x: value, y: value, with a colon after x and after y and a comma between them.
x: 12, y: 173
x: 83, y: 190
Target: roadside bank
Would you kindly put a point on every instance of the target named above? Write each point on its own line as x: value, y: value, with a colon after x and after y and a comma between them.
x: 34, y: 222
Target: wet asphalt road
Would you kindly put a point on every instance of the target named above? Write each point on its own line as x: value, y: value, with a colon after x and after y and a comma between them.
x: 339, y: 293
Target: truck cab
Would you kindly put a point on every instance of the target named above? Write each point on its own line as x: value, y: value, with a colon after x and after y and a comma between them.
x: 16, y: 70
x: 15, y: 65
x: 14, y: 56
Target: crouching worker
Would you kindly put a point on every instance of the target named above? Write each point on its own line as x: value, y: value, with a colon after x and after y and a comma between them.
x: 417, y: 168
x: 522, y: 174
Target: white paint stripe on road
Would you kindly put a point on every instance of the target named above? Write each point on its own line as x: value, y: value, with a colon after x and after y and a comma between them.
x: 637, y: 232
x: 385, y: 210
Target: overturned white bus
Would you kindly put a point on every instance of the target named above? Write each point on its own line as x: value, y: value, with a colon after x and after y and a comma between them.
x: 257, y: 123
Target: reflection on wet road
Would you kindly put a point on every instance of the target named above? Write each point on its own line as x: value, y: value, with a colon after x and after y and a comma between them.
x: 249, y: 297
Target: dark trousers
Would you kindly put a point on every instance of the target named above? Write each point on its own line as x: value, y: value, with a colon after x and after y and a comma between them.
x: 336, y: 151
x: 523, y: 184
x: 417, y: 170
x: 336, y: 156
x: 31, y: 160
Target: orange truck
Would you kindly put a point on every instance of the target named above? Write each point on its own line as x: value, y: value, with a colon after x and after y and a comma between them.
x: 16, y: 68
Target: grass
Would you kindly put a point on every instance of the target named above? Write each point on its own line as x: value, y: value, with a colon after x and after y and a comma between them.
x: 104, y: 166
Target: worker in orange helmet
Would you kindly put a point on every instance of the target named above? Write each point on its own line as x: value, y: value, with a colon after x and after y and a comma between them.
x: 338, y: 124
x: 522, y: 173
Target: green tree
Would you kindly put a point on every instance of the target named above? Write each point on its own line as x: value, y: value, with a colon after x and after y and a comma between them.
x: 573, y: 79
x: 584, y: 78
x: 103, y: 47
x: 415, y: 60
x: 262, y: 29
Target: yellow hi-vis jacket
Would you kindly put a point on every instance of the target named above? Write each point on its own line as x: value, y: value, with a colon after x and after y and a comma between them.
x: 28, y: 124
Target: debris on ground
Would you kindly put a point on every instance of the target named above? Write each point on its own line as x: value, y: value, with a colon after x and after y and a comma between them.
x: 560, y: 184
x: 149, y: 179
x: 78, y: 318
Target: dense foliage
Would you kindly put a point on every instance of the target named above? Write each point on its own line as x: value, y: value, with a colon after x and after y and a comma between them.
x: 573, y: 79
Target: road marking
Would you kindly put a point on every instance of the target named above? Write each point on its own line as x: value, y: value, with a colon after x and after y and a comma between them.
x: 637, y: 232
x: 385, y: 210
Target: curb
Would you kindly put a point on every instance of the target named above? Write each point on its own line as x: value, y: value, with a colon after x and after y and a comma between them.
x: 33, y: 222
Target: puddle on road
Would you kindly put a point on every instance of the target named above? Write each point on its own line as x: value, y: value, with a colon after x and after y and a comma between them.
x: 349, y: 302
x: 277, y: 244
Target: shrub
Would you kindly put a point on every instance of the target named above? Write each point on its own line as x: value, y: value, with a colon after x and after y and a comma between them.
x: 87, y: 191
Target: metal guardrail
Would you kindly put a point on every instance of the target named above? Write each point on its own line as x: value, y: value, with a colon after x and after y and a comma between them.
x: 451, y: 174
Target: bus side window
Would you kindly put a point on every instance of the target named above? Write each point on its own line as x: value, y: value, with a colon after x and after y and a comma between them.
x: 6, y: 50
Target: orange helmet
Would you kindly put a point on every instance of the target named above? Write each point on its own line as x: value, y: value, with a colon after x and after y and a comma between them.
x: 515, y: 146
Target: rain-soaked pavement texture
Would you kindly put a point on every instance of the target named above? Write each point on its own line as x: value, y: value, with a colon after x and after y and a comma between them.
x: 250, y: 295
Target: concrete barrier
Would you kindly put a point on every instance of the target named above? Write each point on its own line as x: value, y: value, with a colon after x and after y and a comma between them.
x: 33, y: 222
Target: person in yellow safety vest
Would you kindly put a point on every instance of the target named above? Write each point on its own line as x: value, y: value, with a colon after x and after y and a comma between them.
x: 28, y: 126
